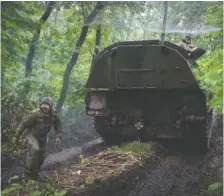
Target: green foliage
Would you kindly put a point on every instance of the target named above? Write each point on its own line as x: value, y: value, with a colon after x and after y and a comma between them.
x: 210, y: 69
x: 18, y: 22
x: 89, y: 181
x: 82, y: 159
x: 210, y: 74
x: 137, y: 148
x: 57, y: 44
x: 114, y: 148
x: 15, y: 103
x: 31, y: 188
x: 13, y: 189
x: 214, y: 189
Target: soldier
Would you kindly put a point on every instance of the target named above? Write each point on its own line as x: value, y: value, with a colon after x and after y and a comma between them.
x: 187, y: 44
x: 38, y: 124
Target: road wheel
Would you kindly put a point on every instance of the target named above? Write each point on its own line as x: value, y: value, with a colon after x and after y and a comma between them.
x: 110, y: 135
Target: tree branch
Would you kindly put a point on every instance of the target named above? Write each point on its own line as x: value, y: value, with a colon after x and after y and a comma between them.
x: 99, y: 6
x: 83, y: 11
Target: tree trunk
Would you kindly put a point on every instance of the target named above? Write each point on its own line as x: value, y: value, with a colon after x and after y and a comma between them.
x: 73, y: 60
x: 128, y: 35
x: 163, y: 36
x: 97, y: 42
x: 98, y: 38
x: 32, y: 47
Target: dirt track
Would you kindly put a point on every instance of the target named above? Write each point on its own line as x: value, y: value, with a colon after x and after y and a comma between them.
x: 70, y: 153
x: 176, y: 174
x: 180, y: 175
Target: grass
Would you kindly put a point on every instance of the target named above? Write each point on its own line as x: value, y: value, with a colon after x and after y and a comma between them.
x: 30, y: 188
x: 138, y: 149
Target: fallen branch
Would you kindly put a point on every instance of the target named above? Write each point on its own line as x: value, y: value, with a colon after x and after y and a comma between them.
x: 98, y: 168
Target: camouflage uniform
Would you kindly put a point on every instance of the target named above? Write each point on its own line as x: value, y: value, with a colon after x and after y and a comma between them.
x: 38, y: 125
x: 187, y: 45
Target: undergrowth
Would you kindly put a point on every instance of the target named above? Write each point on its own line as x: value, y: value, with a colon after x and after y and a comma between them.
x: 31, y: 188
x: 138, y: 149
x: 215, y: 189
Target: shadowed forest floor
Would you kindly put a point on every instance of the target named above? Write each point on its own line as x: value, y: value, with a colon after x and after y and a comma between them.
x: 168, y: 171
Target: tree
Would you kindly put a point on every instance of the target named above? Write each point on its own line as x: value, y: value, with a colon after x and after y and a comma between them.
x: 99, y: 6
x: 30, y: 55
x: 210, y: 69
x: 67, y: 38
x: 98, y: 38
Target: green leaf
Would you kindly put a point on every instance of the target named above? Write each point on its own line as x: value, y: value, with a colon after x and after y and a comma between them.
x: 36, y: 193
x: 13, y: 178
x: 217, y: 186
x: 11, y: 189
x: 61, y: 193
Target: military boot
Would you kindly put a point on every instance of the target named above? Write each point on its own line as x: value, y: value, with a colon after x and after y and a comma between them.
x: 31, y: 176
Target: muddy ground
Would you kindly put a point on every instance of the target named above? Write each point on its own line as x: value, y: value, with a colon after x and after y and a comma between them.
x: 174, y: 173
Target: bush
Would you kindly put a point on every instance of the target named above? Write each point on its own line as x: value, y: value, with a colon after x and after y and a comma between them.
x: 30, y: 188
x: 214, y: 189
x: 137, y: 148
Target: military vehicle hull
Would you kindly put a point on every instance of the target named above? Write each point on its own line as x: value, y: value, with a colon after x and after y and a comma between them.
x: 146, y: 90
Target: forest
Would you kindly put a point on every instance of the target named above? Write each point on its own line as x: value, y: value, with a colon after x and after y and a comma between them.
x: 47, y: 49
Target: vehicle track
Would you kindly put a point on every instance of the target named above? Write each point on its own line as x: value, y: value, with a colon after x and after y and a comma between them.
x: 14, y: 166
x: 183, y: 174
x: 176, y: 174
x: 179, y: 174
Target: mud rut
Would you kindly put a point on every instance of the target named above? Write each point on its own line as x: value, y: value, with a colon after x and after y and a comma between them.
x: 179, y: 175
x: 175, y: 174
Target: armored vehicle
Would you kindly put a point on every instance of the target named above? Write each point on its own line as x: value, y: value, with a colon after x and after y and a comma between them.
x: 146, y: 90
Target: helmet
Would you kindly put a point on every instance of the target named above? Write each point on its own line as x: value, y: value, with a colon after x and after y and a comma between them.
x: 47, y: 100
x: 187, y: 38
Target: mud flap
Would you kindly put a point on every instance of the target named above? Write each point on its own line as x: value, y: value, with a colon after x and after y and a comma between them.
x: 194, y: 137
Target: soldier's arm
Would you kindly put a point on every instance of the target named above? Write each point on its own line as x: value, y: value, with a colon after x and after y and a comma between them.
x: 181, y: 44
x: 192, y: 48
x: 57, y: 125
x: 28, y: 122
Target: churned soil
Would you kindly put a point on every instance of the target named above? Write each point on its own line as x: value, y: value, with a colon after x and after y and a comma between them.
x: 181, y: 174
x: 168, y: 172
x: 104, y: 173
x: 93, y: 172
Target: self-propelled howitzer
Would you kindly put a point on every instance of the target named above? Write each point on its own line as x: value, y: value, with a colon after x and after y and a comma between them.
x: 146, y: 89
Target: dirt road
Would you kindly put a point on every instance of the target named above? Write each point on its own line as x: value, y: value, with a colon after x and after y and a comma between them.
x: 70, y: 153
x: 179, y: 174
x: 175, y: 174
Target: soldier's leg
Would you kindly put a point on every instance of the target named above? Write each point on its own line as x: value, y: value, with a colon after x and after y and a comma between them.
x: 32, y: 157
x: 40, y: 158
x: 29, y: 165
